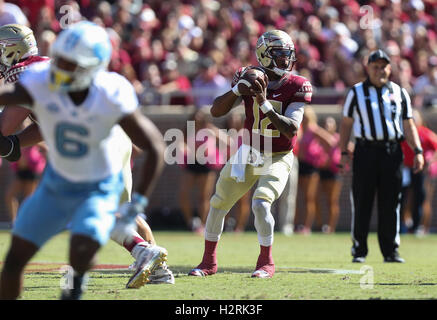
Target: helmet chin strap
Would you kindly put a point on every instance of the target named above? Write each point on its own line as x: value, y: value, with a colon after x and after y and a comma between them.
x: 280, y: 72
x: 32, y: 52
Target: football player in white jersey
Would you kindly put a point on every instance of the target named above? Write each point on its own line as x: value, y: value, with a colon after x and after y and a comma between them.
x: 79, y: 106
x: 18, y: 52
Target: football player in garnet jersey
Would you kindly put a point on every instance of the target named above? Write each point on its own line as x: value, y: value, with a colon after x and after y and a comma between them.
x: 18, y: 51
x: 274, y: 113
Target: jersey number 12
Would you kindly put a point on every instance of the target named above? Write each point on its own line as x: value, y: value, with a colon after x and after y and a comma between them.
x: 262, y: 125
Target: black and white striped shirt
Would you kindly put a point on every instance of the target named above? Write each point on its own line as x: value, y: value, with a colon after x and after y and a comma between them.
x: 378, y: 112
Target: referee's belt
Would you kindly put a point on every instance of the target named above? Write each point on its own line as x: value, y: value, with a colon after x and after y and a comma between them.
x: 377, y: 143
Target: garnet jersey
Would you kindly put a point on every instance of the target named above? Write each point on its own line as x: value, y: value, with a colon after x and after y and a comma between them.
x: 11, y: 74
x: 12, y: 117
x: 290, y: 88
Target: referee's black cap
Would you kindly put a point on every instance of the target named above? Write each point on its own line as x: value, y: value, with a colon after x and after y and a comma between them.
x: 378, y: 54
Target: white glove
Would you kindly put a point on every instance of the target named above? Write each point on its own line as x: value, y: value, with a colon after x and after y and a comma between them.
x: 125, y: 227
x: 130, y: 210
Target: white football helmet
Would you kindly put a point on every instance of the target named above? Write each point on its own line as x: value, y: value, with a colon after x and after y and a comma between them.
x: 273, y: 45
x: 84, y: 44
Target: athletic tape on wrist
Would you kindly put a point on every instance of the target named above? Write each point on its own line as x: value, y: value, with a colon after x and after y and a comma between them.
x: 244, y: 81
x: 266, y: 107
x: 235, y: 88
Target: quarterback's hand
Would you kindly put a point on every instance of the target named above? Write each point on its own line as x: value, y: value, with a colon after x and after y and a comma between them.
x: 260, y: 90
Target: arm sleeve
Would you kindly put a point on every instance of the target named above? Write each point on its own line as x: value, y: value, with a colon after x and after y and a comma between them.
x: 295, y: 112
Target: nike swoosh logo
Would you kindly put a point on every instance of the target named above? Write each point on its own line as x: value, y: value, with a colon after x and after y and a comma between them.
x: 276, y: 95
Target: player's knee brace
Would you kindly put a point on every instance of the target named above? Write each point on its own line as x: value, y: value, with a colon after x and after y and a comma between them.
x: 264, y: 193
x: 218, y: 203
x: 264, y: 221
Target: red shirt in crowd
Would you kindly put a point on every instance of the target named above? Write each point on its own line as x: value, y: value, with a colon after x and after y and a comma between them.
x: 428, y: 139
x: 32, y: 8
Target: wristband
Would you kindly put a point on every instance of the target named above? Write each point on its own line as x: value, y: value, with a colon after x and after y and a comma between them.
x: 235, y: 90
x: 418, y: 150
x: 266, y: 107
x: 245, y: 82
x: 10, y: 151
x: 16, y: 150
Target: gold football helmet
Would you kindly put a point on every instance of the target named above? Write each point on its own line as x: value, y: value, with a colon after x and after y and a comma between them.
x: 271, y: 47
x: 16, y: 42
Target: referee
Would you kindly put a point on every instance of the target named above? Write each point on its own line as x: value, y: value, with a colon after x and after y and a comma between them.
x: 379, y: 113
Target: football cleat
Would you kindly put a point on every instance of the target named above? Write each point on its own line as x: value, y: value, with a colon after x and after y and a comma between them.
x: 162, y: 275
x: 203, y: 270
x: 265, y: 271
x: 197, y: 273
x: 150, y: 259
x: 265, y: 268
x: 261, y: 274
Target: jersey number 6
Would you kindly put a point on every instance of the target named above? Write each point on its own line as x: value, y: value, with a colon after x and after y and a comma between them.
x: 66, y: 142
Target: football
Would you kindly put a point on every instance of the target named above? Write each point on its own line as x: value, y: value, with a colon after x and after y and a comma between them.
x: 248, y: 79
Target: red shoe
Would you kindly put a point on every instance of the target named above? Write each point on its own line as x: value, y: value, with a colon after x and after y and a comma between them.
x: 203, y: 270
x: 265, y: 266
x: 265, y: 271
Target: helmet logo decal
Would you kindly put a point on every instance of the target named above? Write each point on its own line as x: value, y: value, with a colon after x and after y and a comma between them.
x: 101, y: 51
x: 72, y: 41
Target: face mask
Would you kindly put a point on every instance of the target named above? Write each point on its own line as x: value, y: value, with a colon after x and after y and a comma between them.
x: 60, y: 79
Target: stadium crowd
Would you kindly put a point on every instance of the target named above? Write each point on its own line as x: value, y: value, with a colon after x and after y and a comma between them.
x: 186, y: 52
x: 203, y: 42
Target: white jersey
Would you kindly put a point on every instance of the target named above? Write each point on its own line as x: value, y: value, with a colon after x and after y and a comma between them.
x: 81, y: 139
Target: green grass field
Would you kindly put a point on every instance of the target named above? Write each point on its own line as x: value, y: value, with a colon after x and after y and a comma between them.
x: 308, y: 267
